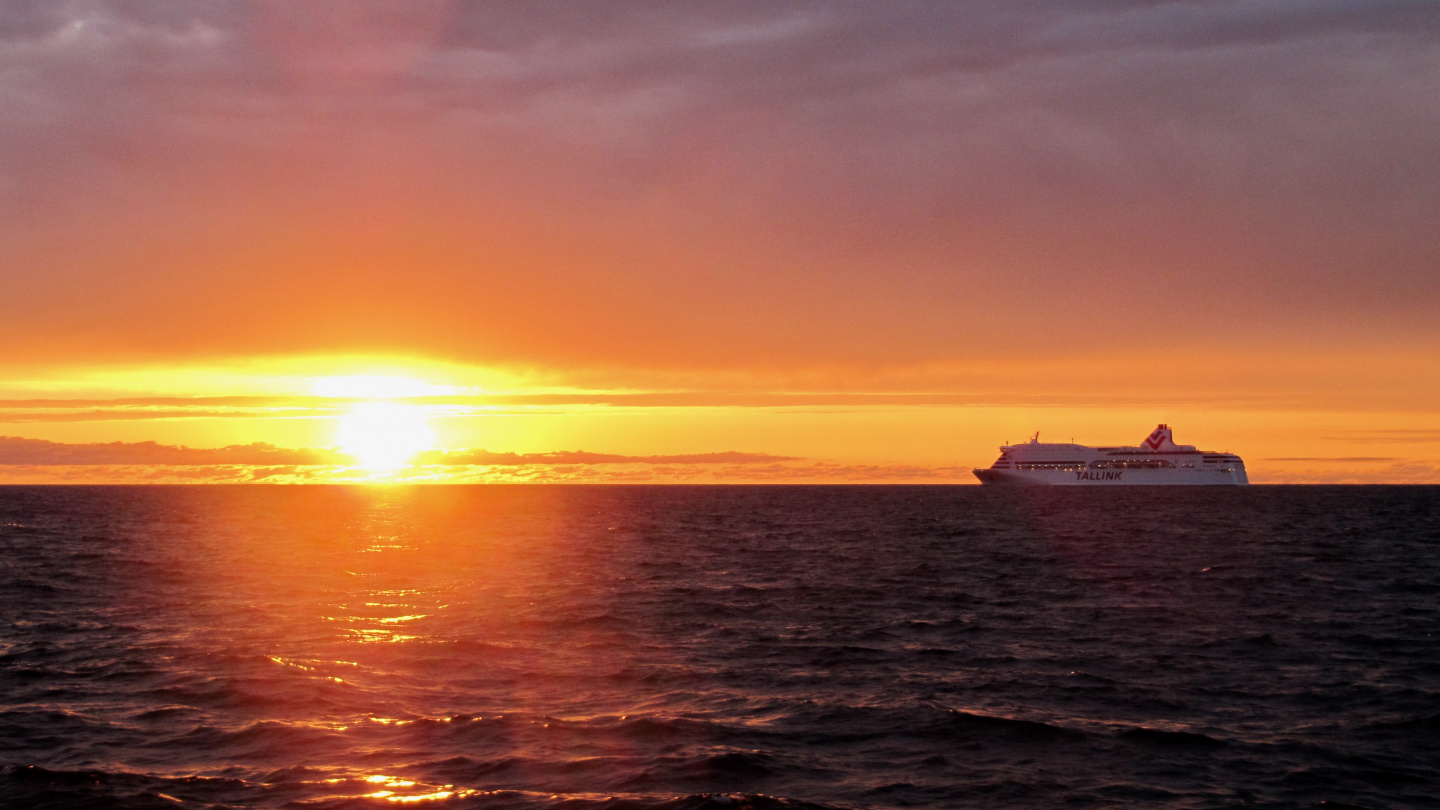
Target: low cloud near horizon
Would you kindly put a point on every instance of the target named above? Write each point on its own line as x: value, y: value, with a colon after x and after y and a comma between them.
x: 35, y: 461
x: 16, y: 451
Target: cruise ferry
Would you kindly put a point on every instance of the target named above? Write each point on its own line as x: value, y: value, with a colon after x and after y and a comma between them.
x: 1157, y: 460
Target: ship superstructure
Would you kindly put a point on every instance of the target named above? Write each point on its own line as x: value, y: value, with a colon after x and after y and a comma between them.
x: 1157, y: 460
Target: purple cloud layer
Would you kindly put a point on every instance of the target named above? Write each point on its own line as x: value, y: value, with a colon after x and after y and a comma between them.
x: 728, y: 184
x: 18, y: 451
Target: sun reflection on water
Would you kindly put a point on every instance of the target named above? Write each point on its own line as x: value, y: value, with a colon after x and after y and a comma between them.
x: 383, y: 614
x: 407, y: 791
x: 368, y: 615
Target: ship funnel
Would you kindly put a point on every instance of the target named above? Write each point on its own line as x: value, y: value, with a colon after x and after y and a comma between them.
x: 1160, y: 439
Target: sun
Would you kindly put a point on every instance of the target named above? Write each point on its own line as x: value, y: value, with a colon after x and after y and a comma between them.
x: 384, y: 435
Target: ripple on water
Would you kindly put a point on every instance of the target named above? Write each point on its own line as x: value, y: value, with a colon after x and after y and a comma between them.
x: 729, y: 647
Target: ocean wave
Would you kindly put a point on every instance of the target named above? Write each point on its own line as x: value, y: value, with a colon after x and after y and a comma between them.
x: 1162, y: 737
x: 875, y: 648
x: 992, y: 727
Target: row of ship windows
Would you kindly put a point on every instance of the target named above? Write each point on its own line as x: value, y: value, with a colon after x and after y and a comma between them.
x: 1079, y: 466
x: 1075, y: 466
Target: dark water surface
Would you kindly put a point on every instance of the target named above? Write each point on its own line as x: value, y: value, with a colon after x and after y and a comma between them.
x: 687, y: 647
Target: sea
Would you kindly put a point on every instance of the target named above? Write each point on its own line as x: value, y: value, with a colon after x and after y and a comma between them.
x: 680, y: 648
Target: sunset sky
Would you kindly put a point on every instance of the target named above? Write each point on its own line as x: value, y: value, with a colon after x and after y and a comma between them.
x: 715, y: 242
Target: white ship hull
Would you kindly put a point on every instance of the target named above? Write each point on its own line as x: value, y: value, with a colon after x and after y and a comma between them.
x: 1099, y: 478
x: 1157, y: 461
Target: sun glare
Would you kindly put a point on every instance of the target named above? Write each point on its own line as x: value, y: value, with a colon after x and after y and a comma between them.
x: 384, y: 435
x: 376, y: 386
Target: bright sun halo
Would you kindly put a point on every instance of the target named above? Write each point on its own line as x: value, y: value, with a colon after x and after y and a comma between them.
x: 384, y: 435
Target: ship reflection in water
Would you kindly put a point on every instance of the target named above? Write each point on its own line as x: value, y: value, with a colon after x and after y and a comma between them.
x: 740, y: 646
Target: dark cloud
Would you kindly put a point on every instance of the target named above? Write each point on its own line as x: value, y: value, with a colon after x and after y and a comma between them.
x: 501, y: 474
x: 1400, y: 472
x: 1082, y: 395
x: 18, y: 451
x: 1355, y: 459
x: 119, y: 415
x: 1396, y: 436
x: 15, y: 451
x: 485, y: 457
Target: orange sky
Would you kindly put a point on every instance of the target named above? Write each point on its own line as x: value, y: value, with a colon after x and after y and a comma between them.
x: 859, y: 242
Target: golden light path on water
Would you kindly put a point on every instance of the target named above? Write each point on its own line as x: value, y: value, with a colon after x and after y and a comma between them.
x: 378, y: 581
x: 375, y: 586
